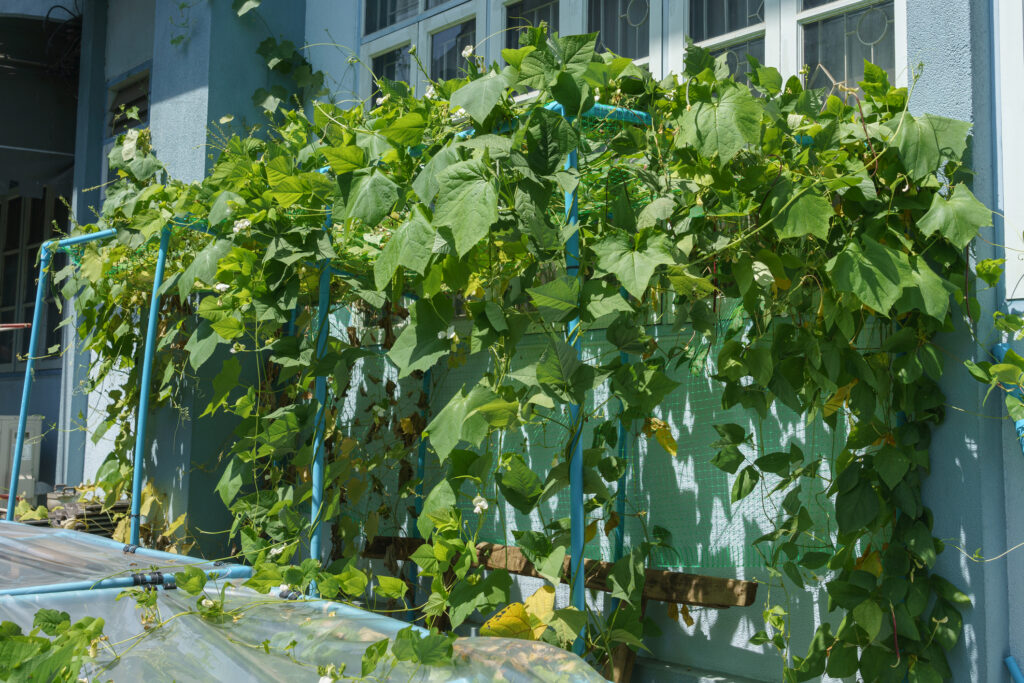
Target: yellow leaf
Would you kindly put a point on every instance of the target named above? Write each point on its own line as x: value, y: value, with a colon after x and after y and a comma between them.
x: 836, y: 401
x: 348, y: 444
x: 611, y: 523
x: 590, y: 532
x: 169, y: 531
x: 652, y: 425
x: 667, y: 441
x: 541, y: 607
x: 870, y: 562
x: 685, y: 612
x: 511, y: 622
x: 122, y: 531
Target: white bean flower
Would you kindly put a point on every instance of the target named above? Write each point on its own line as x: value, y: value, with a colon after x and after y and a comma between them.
x: 467, y: 52
x: 274, y: 552
x: 479, y: 504
x: 207, y: 602
x: 222, y: 287
x: 326, y: 679
x: 430, y: 93
x: 447, y: 334
x: 240, y: 225
x: 382, y: 100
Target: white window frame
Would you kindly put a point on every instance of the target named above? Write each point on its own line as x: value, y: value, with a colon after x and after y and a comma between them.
x: 428, y: 27
x: 782, y: 31
x: 401, y: 38
x: 1009, y: 51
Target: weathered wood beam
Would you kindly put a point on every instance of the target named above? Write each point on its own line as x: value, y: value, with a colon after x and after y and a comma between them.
x: 661, y: 585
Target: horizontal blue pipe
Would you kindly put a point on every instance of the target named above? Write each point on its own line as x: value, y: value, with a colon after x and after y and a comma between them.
x: 602, y: 112
x: 234, y: 572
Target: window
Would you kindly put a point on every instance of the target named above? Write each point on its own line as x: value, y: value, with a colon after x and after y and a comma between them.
x: 712, y: 18
x: 393, y: 65
x: 831, y: 37
x: 529, y: 13
x: 624, y: 26
x: 130, y: 95
x: 383, y: 13
x: 736, y: 56
x: 835, y: 47
x: 26, y: 223
x: 446, y: 48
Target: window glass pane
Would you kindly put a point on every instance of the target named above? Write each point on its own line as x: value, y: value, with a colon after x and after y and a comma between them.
x: 624, y: 26
x: 811, y: 4
x: 12, y: 234
x: 60, y: 215
x: 36, y: 220
x: 711, y: 18
x: 29, y: 277
x: 446, y: 48
x: 9, y: 280
x: 383, y: 13
x: 23, y: 335
x: 736, y: 55
x: 7, y: 339
x: 529, y: 13
x: 53, y: 335
x: 393, y: 65
x: 835, y: 48
x: 435, y: 3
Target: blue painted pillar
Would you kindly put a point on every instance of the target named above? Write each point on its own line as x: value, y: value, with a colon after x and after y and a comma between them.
x: 142, y: 418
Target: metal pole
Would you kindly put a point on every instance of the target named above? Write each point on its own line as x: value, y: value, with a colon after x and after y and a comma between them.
x: 421, y: 470
x: 576, y: 519
x: 26, y: 388
x: 320, y: 423
x: 145, y: 389
x: 141, y: 579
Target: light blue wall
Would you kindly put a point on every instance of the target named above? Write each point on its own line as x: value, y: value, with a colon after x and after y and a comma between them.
x: 965, y: 487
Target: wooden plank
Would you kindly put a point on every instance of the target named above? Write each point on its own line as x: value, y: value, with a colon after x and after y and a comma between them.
x: 661, y: 585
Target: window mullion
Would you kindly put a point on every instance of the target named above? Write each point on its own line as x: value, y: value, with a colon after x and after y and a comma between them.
x: 572, y: 17
x: 788, y: 48
x: 677, y: 16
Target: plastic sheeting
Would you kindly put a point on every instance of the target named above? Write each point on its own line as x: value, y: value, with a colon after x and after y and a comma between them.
x: 39, y: 556
x: 263, y: 638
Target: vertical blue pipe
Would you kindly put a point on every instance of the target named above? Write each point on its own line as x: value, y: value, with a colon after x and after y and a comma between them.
x: 145, y: 389
x: 421, y: 471
x: 26, y: 389
x: 576, y: 520
x: 320, y: 394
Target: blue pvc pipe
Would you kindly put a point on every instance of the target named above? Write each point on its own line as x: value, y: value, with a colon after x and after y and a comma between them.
x: 421, y: 471
x: 142, y: 417
x: 999, y: 351
x: 12, y: 493
x: 1015, y: 672
x: 576, y: 519
x: 320, y: 395
x: 233, y: 572
x: 33, y: 341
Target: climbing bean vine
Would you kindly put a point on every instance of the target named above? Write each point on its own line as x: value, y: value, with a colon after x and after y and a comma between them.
x: 838, y: 225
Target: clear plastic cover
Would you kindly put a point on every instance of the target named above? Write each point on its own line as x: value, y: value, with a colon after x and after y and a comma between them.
x: 258, y: 638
